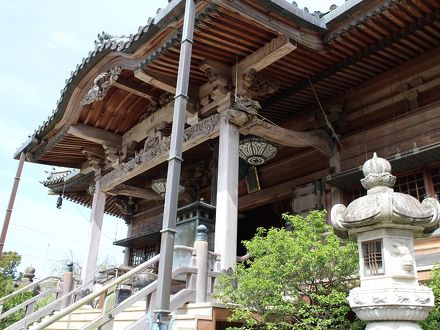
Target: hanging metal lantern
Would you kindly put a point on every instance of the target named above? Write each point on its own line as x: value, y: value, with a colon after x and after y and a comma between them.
x: 257, y: 151
x: 59, y: 201
x: 160, y: 186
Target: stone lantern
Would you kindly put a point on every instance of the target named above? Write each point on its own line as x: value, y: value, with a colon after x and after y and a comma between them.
x: 385, y: 224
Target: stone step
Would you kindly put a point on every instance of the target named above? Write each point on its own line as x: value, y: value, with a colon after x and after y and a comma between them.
x: 86, y: 314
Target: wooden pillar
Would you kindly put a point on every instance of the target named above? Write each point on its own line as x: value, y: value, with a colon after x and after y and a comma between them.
x: 96, y: 217
x: 68, y: 284
x: 335, y: 193
x: 227, y: 194
x: 11, y: 202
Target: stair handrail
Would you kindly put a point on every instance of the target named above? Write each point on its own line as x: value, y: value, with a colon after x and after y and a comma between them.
x: 66, y: 311
x: 97, y: 293
x: 49, y: 308
x: 27, y: 287
x: 150, y: 288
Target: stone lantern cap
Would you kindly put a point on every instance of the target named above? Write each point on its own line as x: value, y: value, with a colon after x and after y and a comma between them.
x: 383, y: 207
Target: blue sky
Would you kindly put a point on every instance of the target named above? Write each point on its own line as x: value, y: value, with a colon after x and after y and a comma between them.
x: 42, y: 42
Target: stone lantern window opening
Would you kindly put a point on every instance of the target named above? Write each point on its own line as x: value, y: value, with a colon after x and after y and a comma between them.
x: 372, y: 255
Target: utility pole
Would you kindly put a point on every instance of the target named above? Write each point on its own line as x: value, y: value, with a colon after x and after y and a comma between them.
x: 11, y: 202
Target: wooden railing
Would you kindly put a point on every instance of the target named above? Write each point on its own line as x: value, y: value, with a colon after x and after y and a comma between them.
x: 199, y: 274
x: 63, y: 299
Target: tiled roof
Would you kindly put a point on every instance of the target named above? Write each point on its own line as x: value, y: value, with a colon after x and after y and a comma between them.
x: 56, y: 177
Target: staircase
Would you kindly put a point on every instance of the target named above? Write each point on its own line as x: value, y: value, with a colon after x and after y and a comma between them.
x: 85, y: 315
x: 136, y: 311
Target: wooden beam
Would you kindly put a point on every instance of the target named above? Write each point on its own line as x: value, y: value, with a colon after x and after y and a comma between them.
x: 218, y: 67
x: 265, y: 56
x: 164, y: 115
x: 160, y: 81
x: 292, y: 138
x: 132, y: 88
x: 262, y: 58
x: 131, y: 191
x: 96, y: 135
x: 143, y: 129
x: 274, y: 193
x: 96, y: 151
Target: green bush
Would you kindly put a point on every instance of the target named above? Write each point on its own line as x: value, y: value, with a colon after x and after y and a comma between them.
x: 295, y: 279
x: 8, y: 275
x: 433, y: 320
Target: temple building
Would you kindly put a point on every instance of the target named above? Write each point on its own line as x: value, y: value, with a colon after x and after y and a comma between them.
x: 283, y: 107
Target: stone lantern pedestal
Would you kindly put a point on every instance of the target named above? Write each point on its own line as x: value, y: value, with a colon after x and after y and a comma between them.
x: 385, y: 223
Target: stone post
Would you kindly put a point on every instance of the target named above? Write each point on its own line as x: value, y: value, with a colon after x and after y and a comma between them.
x: 96, y: 217
x: 201, y: 246
x: 127, y: 249
x: 385, y: 223
x: 227, y: 193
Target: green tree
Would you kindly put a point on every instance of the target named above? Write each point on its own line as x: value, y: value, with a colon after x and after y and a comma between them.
x: 296, y: 279
x: 433, y: 320
x: 8, y: 277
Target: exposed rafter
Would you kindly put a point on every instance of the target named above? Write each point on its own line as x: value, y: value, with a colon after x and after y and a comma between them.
x: 358, y: 57
x: 309, y: 40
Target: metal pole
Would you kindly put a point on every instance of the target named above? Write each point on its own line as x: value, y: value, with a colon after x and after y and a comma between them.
x: 174, y: 165
x: 11, y: 202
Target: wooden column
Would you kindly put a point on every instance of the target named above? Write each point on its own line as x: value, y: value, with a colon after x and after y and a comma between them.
x: 227, y: 194
x: 335, y: 193
x: 96, y: 217
x: 11, y: 202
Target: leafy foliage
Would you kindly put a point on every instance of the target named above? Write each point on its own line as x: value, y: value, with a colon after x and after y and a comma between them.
x: 295, y: 280
x: 433, y: 320
x: 8, y: 275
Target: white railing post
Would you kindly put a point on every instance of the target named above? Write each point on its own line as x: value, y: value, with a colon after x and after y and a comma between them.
x: 201, y: 246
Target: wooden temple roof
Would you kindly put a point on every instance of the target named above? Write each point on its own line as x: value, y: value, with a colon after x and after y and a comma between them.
x: 335, y: 52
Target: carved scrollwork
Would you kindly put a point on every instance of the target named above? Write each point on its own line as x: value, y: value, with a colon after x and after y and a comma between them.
x: 247, y: 105
x: 337, y: 216
x: 101, y: 85
x: 433, y: 207
x: 127, y: 206
x: 204, y: 127
x: 165, y: 98
x: 257, y: 85
x: 244, y: 112
x: 155, y: 147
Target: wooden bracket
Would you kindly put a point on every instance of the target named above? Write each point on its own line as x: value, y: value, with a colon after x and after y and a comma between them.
x: 261, y: 59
